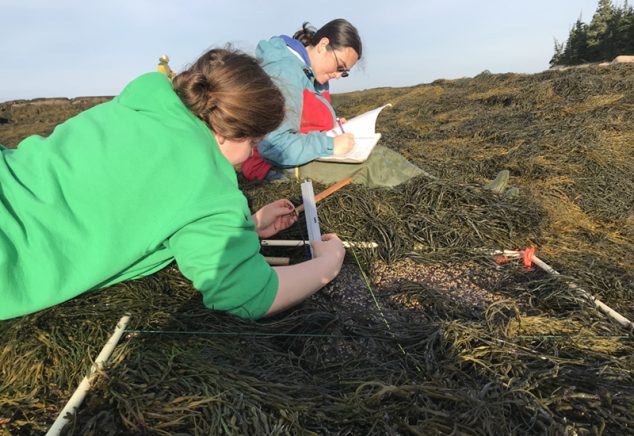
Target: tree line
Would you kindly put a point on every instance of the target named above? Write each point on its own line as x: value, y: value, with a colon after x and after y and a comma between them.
x: 609, y: 34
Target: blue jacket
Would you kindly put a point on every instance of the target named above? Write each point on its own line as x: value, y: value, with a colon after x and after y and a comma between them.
x: 291, y: 145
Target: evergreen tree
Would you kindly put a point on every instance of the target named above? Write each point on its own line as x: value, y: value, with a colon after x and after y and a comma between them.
x: 600, y: 37
x: 612, y: 43
x: 624, y: 31
x: 576, y: 51
x: 609, y: 34
x: 559, y: 52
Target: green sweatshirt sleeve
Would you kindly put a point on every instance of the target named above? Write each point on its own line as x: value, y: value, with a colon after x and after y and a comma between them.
x: 220, y: 255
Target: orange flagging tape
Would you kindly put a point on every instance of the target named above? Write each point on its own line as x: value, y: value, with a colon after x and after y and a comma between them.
x: 526, y: 255
x: 528, y: 258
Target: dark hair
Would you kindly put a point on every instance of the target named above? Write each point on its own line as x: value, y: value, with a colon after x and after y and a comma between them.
x: 231, y: 93
x: 339, y: 32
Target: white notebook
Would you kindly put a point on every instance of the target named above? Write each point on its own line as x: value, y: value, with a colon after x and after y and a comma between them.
x: 363, y: 127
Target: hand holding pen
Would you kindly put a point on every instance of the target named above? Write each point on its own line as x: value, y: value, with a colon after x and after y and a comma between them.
x: 340, y: 123
x: 343, y: 143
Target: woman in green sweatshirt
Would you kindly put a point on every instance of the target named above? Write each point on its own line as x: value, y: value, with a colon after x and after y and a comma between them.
x: 126, y: 187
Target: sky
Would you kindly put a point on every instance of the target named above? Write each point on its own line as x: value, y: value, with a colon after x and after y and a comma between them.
x: 72, y: 48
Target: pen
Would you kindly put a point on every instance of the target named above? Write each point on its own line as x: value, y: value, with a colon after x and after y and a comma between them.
x: 340, y: 125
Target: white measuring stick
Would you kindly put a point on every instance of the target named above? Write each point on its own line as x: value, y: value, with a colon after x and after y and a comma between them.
x: 310, y: 212
x: 80, y: 393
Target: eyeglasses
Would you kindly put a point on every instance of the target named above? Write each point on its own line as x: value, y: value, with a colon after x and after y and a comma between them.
x: 345, y: 72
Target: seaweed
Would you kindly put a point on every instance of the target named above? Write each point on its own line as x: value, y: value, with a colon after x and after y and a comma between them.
x: 425, y: 334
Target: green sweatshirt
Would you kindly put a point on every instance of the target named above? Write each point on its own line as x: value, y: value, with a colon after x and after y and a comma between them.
x: 117, y: 193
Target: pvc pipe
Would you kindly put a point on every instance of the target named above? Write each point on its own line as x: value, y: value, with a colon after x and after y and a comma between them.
x: 299, y: 243
x: 598, y: 303
x: 80, y: 393
x: 277, y: 261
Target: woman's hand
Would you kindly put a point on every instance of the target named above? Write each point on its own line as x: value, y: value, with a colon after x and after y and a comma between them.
x: 299, y: 281
x: 274, y: 217
x: 332, y: 248
x: 343, y: 143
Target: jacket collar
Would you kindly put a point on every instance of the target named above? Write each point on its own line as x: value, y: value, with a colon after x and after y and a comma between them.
x: 297, y: 47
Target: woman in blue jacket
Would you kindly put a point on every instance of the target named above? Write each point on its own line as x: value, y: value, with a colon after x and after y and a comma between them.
x: 302, y: 66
